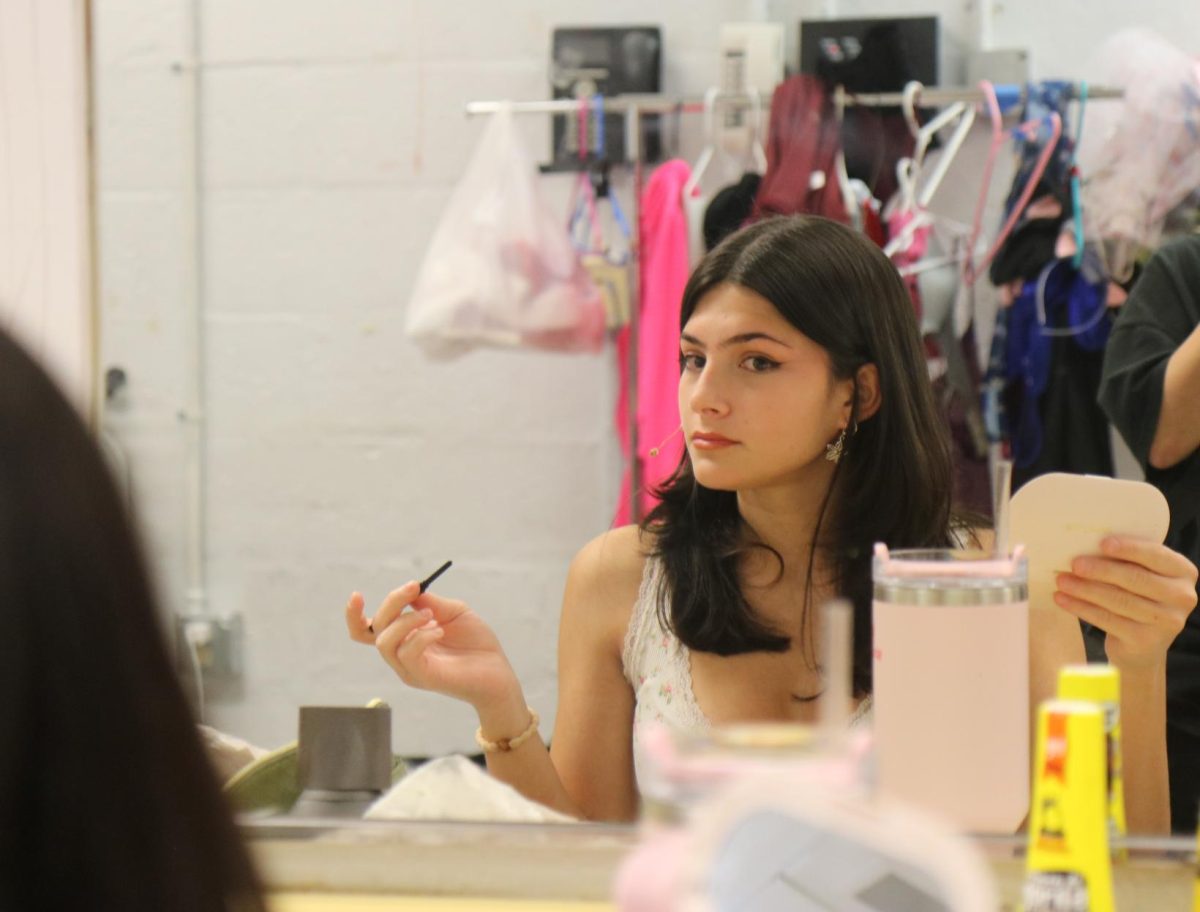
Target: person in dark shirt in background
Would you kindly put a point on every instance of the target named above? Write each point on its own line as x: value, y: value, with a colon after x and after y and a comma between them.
x: 1150, y: 389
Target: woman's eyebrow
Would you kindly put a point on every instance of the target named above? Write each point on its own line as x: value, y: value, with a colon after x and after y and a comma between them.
x: 739, y: 339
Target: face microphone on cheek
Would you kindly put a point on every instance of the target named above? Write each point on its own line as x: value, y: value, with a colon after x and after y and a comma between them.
x: 655, y: 450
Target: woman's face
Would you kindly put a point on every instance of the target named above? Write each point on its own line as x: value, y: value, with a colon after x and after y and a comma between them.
x: 757, y: 397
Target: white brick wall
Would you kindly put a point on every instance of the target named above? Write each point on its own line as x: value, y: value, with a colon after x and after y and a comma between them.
x: 339, y: 457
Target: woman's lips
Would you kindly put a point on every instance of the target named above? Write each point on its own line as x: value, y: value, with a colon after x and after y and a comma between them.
x: 711, y: 441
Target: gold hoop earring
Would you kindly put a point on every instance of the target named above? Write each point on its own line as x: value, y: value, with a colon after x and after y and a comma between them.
x: 835, y: 450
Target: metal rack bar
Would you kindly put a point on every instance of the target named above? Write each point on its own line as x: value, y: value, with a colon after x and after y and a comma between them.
x: 666, y: 104
x: 939, y: 97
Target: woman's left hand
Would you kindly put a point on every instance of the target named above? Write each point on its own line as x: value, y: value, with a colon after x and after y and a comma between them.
x: 1138, y: 592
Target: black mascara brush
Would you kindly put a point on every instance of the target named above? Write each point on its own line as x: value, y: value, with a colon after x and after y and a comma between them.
x: 425, y: 583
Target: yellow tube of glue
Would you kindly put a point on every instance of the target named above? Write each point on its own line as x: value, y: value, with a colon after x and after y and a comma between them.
x: 1100, y: 683
x: 1068, y: 866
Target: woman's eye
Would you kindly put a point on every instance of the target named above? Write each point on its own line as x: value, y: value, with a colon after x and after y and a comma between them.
x: 691, y: 361
x: 760, y: 364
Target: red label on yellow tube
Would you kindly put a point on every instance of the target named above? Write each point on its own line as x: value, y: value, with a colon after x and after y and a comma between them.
x: 1068, y: 868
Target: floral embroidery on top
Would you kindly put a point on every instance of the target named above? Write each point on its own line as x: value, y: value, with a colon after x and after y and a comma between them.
x: 659, y: 669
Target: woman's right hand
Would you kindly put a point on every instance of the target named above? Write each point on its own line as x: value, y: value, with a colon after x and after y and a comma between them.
x: 439, y: 644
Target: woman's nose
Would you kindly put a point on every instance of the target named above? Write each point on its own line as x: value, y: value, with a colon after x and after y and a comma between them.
x: 707, y: 395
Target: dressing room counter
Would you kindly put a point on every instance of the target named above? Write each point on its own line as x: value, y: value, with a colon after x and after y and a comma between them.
x: 453, y: 867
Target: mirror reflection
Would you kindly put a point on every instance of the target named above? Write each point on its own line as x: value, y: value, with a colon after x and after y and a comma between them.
x: 349, y: 334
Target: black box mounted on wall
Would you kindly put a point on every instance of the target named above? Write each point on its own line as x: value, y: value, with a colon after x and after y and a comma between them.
x: 871, y: 55
x: 606, y: 61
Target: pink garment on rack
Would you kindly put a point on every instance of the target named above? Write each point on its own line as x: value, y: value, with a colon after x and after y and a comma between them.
x: 663, y: 234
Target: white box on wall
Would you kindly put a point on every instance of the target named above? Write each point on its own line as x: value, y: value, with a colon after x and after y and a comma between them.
x: 1001, y: 67
x: 751, y: 56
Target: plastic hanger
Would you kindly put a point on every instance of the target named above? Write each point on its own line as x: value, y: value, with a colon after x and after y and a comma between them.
x: 1076, y: 192
x: 966, y: 119
x: 908, y: 169
x: 602, y: 162
x: 710, y: 138
x: 849, y: 197
x: 583, y: 197
x: 970, y: 272
x: 1040, y: 307
x: 1030, y: 185
x: 906, y: 190
x: 757, y: 152
x: 923, y: 135
x: 908, y: 105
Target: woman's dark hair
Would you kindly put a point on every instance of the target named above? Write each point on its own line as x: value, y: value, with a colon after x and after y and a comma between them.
x: 107, y: 799
x: 893, y: 483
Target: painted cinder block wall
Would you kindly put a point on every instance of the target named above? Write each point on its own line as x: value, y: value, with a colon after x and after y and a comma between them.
x: 338, y: 455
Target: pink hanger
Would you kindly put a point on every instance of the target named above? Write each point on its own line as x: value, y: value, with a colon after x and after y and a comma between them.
x: 989, y: 93
x: 583, y: 196
x: 972, y: 270
x: 1030, y: 186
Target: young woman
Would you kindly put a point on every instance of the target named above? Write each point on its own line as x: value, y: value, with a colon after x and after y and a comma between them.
x: 107, y: 800
x: 811, y: 433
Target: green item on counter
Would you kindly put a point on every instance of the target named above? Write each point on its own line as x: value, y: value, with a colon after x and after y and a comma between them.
x: 271, y: 784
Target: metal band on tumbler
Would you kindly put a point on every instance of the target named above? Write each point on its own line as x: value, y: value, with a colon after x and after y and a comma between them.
x: 951, y: 595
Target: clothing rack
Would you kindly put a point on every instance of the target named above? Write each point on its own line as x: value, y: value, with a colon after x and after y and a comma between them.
x: 633, y: 106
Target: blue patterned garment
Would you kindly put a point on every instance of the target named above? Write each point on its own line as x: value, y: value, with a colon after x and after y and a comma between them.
x: 1042, y: 100
x: 1072, y: 306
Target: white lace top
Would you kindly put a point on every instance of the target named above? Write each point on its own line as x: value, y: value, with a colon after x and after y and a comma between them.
x: 659, y: 668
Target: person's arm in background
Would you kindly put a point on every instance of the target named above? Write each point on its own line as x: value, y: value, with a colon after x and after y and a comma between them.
x: 1140, y: 594
x: 1177, y: 435
x: 1150, y: 386
x: 1150, y: 389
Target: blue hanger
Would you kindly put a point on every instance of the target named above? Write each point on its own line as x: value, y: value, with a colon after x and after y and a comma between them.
x: 598, y: 104
x: 1076, y: 193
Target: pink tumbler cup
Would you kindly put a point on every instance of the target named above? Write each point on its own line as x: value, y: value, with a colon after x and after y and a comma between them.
x: 951, y: 684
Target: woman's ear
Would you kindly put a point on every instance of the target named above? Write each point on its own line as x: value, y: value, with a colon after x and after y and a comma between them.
x: 869, y: 397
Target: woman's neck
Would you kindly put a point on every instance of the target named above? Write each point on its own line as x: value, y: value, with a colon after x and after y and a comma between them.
x: 785, y: 519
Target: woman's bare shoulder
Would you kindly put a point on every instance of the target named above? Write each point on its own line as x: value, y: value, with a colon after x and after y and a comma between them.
x: 605, y: 576
x: 614, y: 559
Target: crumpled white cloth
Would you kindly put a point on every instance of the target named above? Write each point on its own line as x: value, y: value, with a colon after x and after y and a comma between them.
x: 227, y: 752
x: 455, y: 788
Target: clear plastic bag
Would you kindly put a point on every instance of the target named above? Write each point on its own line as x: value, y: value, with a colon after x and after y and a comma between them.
x: 500, y: 270
x: 1139, y: 158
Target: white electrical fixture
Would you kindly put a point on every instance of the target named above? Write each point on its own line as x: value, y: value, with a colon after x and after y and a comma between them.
x: 751, y: 55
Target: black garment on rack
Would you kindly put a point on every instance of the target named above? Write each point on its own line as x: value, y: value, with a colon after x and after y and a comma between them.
x: 1065, y: 430
x: 1026, y: 251
x: 729, y: 209
x: 1077, y: 435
